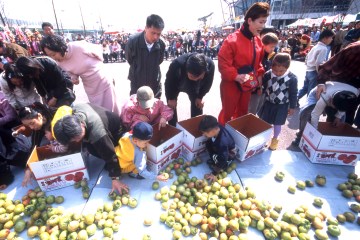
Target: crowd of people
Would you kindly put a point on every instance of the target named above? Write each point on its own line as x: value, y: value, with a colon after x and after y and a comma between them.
x: 254, y: 62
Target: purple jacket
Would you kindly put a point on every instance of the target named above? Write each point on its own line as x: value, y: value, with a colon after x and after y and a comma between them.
x: 7, y: 112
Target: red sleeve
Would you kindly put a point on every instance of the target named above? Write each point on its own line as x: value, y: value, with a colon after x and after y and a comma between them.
x: 226, y: 61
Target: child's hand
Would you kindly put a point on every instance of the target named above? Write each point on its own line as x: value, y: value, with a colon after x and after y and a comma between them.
x: 291, y: 111
x: 210, y: 177
x: 337, y: 122
x: 162, y: 178
x: 28, y: 176
x: 162, y: 123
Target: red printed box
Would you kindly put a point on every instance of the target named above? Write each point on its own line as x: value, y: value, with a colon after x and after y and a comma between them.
x: 331, y: 145
x: 164, y: 147
x: 53, y: 170
x: 250, y: 134
x: 193, y: 140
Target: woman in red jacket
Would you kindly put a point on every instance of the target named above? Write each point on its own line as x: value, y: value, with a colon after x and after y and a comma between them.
x: 240, y: 61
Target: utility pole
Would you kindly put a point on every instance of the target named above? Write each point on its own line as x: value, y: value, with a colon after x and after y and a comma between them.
x: 2, y: 19
x: 101, y: 25
x: 57, y: 25
x: 222, y: 9
x: 82, y: 18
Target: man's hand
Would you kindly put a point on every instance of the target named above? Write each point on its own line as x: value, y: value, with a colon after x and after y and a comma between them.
x: 291, y: 111
x: 161, y: 178
x: 28, y: 176
x: 172, y: 104
x: 162, y: 122
x: 52, y: 102
x: 319, y: 90
x: 337, y: 122
x: 259, y: 91
x: 119, y: 187
x: 199, y: 103
x: 210, y: 177
x: 144, y: 118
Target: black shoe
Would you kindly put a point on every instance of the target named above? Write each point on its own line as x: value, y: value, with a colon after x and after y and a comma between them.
x: 296, y: 142
x: 6, y: 176
x: 135, y: 175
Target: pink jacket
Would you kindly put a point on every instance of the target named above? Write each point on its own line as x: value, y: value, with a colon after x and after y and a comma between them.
x: 132, y: 111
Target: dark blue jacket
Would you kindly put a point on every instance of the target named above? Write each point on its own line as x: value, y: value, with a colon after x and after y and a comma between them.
x: 222, y: 149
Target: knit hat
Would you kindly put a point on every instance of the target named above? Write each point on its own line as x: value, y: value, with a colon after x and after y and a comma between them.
x: 145, y: 97
x: 143, y: 131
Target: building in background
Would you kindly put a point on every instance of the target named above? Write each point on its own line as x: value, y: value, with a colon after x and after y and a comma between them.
x: 284, y: 12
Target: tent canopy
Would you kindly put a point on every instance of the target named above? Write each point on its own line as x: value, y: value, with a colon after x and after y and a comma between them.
x: 228, y: 28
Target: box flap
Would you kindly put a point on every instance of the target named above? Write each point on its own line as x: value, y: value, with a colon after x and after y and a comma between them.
x: 192, y: 125
x: 249, y: 125
x: 193, y: 138
x: 162, y: 135
x: 32, y: 158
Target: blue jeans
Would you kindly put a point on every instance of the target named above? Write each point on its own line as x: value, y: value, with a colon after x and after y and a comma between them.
x: 309, y: 83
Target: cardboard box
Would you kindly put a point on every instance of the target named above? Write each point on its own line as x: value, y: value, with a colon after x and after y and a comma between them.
x: 193, y: 139
x: 53, y: 171
x: 250, y: 134
x: 330, y: 145
x: 164, y: 147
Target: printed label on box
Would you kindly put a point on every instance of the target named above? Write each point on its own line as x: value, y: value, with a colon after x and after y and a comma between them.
x: 60, y: 164
x: 251, y: 152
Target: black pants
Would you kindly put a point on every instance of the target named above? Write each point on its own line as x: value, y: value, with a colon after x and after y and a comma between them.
x: 185, y: 45
x: 195, y: 111
x: 106, y: 57
x: 190, y: 47
x: 305, y: 117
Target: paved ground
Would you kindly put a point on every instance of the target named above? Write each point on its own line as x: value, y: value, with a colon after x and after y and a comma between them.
x: 212, y: 99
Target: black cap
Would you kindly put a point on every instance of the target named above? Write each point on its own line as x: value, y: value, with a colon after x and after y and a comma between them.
x: 143, y: 131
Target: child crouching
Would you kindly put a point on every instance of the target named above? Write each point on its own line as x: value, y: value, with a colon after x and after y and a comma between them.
x: 220, y: 145
x: 132, y: 155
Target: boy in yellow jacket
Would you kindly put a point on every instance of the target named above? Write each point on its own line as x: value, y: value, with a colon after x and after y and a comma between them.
x: 132, y: 155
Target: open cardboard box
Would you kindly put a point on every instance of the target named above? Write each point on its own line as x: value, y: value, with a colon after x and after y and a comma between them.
x: 250, y: 134
x: 331, y: 145
x: 53, y: 170
x: 164, y: 147
x: 193, y: 139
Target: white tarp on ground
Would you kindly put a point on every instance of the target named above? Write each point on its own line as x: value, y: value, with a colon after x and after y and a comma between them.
x: 257, y: 172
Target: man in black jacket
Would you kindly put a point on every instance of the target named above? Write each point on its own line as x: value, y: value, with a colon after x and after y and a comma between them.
x: 145, y: 52
x: 192, y: 73
x: 97, y: 129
